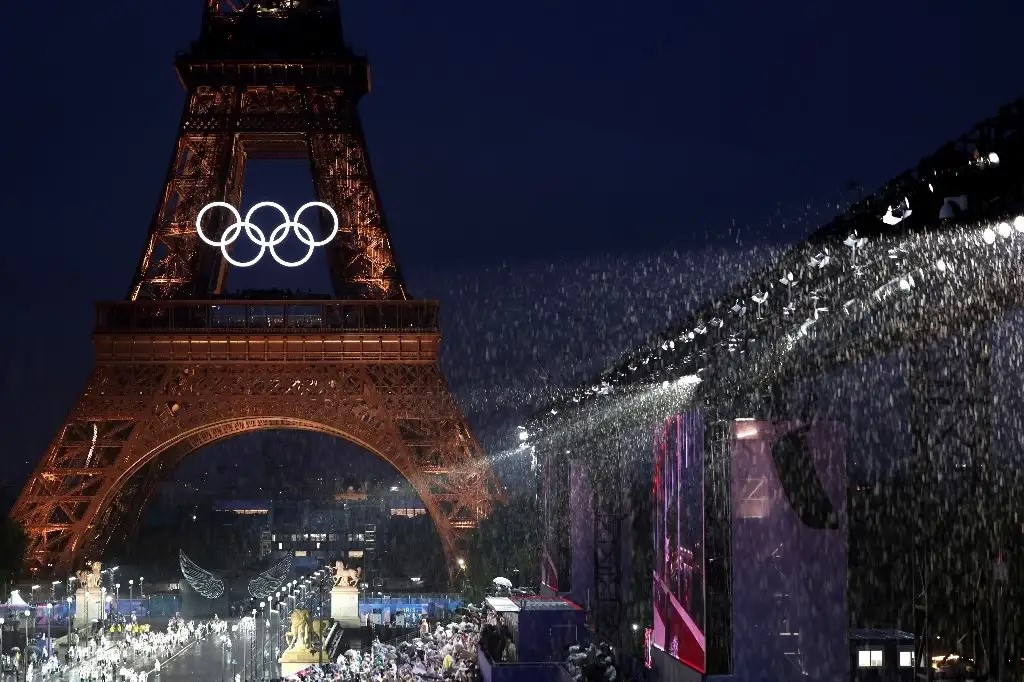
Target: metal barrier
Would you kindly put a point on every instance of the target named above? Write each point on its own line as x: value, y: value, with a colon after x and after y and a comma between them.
x: 521, y: 672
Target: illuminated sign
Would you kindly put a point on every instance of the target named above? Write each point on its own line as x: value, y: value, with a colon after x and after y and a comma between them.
x: 233, y: 231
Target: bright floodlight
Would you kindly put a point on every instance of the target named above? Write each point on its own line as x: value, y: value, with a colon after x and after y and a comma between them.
x: 897, y: 213
x: 989, y: 236
x: 993, y: 158
x: 523, y: 434
x: 1003, y: 229
x: 941, y: 265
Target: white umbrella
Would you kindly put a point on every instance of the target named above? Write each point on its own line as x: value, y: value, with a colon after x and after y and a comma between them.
x: 504, y: 582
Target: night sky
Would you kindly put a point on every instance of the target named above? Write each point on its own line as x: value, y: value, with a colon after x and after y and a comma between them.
x: 508, y: 139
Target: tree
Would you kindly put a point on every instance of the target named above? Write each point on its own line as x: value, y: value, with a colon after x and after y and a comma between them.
x: 506, y: 541
x: 13, y: 545
x: 413, y: 550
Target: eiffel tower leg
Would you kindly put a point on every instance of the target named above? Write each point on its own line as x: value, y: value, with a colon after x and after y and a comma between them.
x: 361, y: 259
x: 135, y: 420
x: 207, y: 166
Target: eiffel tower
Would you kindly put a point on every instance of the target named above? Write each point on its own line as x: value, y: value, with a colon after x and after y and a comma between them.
x: 177, y: 366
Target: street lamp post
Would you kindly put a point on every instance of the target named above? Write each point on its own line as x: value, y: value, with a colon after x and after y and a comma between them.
x: 49, y: 639
x: 323, y: 635
x: 236, y: 628
x: 462, y: 572
x: 242, y: 631
x: 1, y: 638
x: 141, y: 595
x: 27, y: 615
x: 71, y: 620
x: 117, y: 597
x: 264, y: 638
x: 53, y: 589
x: 252, y: 644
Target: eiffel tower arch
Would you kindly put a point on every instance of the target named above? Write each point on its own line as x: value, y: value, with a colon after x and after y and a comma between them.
x: 178, y: 366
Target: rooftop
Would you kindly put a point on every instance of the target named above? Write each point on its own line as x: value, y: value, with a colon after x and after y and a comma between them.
x: 546, y: 604
x: 876, y: 634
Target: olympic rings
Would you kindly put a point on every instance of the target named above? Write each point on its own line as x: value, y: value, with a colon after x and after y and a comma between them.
x: 233, y: 231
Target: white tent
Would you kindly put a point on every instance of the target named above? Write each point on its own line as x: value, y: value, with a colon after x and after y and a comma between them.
x: 15, y: 601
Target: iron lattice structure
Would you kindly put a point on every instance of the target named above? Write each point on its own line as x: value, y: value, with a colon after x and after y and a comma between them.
x: 737, y: 345
x: 176, y: 367
x: 269, y: 79
x: 875, y: 295
x: 953, y: 420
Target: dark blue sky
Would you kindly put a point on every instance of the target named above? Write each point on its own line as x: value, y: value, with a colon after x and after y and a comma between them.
x: 502, y: 135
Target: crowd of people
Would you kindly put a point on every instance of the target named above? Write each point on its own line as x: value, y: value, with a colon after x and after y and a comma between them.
x: 445, y: 652
x: 595, y: 663
x: 122, y: 652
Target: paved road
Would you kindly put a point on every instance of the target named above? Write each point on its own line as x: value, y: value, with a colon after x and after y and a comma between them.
x: 210, y: 660
x: 206, y: 660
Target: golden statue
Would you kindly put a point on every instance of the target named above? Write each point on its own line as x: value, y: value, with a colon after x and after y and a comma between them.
x: 299, y: 637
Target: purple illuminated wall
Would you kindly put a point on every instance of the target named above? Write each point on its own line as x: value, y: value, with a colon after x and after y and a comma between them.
x: 789, y: 568
x: 678, y: 588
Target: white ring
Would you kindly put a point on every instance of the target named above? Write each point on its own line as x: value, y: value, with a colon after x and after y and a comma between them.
x: 233, y: 231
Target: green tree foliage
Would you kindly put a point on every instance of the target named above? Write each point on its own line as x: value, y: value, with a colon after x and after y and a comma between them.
x: 507, y: 540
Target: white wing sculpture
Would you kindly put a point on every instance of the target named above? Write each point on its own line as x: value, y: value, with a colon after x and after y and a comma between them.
x: 201, y: 580
x: 270, y: 580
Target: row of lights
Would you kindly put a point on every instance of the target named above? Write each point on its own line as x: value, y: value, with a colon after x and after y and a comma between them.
x: 989, y: 236
x: 72, y: 579
x: 1003, y: 229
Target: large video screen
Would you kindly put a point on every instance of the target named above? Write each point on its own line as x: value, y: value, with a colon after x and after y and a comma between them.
x: 679, y: 539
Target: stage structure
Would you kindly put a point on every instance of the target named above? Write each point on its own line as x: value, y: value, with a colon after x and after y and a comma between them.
x: 931, y: 261
x: 178, y: 367
x: 788, y: 551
